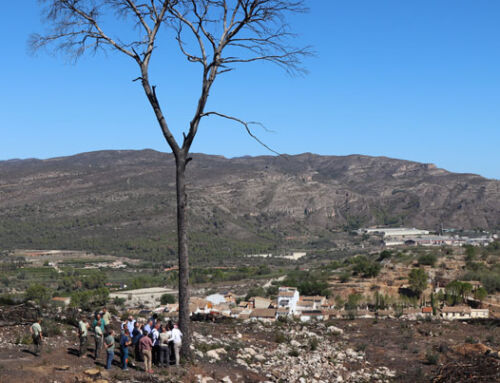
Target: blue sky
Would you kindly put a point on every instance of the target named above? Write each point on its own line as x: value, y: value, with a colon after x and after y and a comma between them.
x: 417, y: 80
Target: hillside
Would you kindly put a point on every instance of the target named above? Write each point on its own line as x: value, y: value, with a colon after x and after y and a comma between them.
x: 124, y: 201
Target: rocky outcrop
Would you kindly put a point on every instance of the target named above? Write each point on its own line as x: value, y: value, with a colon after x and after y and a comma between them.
x: 131, y: 194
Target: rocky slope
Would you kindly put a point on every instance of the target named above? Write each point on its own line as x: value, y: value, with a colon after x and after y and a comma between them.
x: 105, y: 199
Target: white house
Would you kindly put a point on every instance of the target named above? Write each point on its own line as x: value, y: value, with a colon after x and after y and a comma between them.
x: 288, y: 298
x: 308, y: 315
x: 480, y: 313
x: 216, y: 299
x: 456, y: 312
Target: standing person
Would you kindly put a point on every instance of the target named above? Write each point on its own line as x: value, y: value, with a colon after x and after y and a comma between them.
x: 165, y: 336
x: 156, y: 343
x: 153, y: 319
x: 125, y: 341
x: 82, y: 334
x: 36, y: 334
x: 109, y: 344
x: 97, y: 318
x: 106, y: 317
x: 131, y: 324
x: 145, y: 347
x: 149, y: 326
x: 136, y: 336
x: 177, y: 339
x: 99, y: 337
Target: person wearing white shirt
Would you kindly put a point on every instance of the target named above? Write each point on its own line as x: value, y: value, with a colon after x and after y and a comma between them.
x: 130, y: 324
x: 177, y: 339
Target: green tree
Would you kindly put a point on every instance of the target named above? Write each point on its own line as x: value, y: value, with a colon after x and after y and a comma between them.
x: 418, y: 281
x: 38, y: 293
x: 365, y: 267
x: 90, y: 299
x: 433, y: 304
x: 167, y: 298
x: 353, y: 301
x: 457, y: 292
x: 427, y: 259
x: 480, y: 294
x: 470, y: 253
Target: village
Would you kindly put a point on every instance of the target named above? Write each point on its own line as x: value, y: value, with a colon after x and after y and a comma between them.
x: 351, y: 292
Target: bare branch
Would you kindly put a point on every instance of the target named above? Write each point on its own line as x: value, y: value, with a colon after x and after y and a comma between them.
x: 246, y: 124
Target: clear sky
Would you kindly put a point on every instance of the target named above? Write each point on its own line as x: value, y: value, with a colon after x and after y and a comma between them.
x: 416, y: 80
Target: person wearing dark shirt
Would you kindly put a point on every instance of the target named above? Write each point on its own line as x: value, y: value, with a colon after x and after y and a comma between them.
x: 136, y: 336
x: 125, y: 341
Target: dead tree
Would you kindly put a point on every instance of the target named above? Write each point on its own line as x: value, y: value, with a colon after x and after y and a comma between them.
x: 215, y: 34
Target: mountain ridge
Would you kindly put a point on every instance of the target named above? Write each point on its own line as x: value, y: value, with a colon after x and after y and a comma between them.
x: 126, y: 196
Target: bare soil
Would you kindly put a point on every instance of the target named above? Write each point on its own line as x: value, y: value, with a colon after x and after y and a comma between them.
x: 418, y: 351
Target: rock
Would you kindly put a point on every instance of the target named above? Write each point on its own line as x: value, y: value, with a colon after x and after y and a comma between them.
x: 214, y: 354
x: 294, y: 343
x: 350, y: 352
x: 92, y: 372
x: 260, y: 358
x: 61, y: 368
x: 250, y: 351
x: 226, y: 379
x: 335, y: 330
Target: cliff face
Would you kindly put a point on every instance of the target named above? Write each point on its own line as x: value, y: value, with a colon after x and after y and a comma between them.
x: 113, y: 195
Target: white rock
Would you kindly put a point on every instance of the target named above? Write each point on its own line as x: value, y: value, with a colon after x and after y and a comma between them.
x: 250, y: 351
x: 335, y: 330
x: 214, y: 354
x: 294, y: 343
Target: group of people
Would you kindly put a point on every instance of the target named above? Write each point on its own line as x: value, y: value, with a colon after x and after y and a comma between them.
x: 154, y: 342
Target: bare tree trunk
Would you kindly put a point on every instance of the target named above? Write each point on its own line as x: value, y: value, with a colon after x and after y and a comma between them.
x: 180, y: 172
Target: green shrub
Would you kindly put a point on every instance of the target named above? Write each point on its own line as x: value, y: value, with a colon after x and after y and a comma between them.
x: 294, y: 352
x: 432, y: 358
x: 51, y: 328
x: 24, y: 339
x: 280, y: 337
x: 471, y: 340
x: 38, y: 293
x: 313, y: 344
x: 427, y: 259
x: 167, y: 298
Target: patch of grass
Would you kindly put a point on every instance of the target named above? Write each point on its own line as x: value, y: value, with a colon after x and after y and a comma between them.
x: 313, y: 344
x: 51, y: 328
x: 24, y: 339
x: 294, y: 352
x: 431, y: 358
x: 204, y: 347
x: 360, y: 347
x: 280, y: 337
x: 471, y: 340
